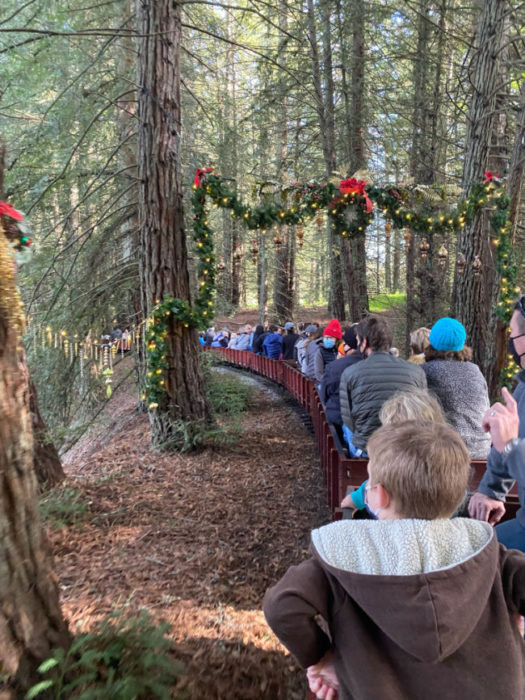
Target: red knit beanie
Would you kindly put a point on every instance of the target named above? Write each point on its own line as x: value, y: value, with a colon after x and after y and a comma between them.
x: 333, y: 329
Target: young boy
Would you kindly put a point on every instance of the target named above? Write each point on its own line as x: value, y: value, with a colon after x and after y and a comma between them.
x: 413, y: 605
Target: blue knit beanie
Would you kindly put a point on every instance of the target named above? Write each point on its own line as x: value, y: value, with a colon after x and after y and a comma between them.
x: 448, y: 334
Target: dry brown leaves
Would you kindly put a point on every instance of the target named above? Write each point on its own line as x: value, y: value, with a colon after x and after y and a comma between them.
x: 196, y: 540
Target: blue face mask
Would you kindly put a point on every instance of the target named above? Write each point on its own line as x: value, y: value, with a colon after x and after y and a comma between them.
x: 329, y: 343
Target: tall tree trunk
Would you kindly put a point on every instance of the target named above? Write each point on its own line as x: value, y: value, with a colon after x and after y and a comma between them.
x: 477, y: 295
x: 388, y: 262
x: 285, y: 257
x: 163, y: 259
x: 357, y: 147
x: 396, y: 261
x: 31, y: 622
x: 262, y: 277
x: 515, y: 175
x: 516, y: 167
x: 419, y: 166
x: 47, y: 464
x: 325, y: 113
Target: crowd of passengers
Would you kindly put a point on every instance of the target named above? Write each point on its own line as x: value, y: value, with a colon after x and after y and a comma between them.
x: 416, y: 601
x: 357, y: 369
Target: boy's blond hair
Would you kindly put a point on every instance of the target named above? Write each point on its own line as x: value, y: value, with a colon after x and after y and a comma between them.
x: 424, y: 467
x: 417, y: 404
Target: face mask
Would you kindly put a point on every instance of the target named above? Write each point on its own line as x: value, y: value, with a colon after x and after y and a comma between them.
x: 512, y: 349
x: 373, y: 514
x: 328, y: 342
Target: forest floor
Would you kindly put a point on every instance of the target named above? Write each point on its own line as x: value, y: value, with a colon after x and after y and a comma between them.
x: 195, y: 539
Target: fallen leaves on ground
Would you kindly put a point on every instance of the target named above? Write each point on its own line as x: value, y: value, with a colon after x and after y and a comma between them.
x: 196, y: 540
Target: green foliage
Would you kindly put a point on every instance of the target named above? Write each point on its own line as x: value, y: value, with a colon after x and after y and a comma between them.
x: 124, y: 658
x: 229, y: 397
x: 228, y: 394
x: 63, y: 506
x: 382, y: 302
x: 64, y: 400
x: 182, y: 435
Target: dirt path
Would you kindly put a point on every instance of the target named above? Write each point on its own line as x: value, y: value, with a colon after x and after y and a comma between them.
x: 196, y: 540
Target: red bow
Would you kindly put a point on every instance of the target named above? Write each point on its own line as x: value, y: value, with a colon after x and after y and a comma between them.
x: 353, y: 186
x: 489, y: 176
x: 198, y: 175
x: 7, y: 210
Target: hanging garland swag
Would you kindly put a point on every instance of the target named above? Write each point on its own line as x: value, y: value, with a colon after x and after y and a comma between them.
x: 350, y: 208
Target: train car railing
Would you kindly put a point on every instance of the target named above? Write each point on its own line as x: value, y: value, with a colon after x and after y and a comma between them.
x: 340, y: 472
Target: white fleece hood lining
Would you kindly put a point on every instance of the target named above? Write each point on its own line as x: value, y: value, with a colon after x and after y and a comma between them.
x: 400, y: 547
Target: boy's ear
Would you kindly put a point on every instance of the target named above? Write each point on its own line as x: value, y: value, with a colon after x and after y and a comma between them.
x: 383, y: 497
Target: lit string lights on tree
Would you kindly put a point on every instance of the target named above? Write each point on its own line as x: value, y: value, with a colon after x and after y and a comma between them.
x: 349, y: 206
x: 11, y: 236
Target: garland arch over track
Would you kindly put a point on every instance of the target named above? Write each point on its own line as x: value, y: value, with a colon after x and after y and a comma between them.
x: 350, y: 208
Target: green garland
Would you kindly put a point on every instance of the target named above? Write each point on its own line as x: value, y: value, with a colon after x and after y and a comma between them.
x: 350, y: 213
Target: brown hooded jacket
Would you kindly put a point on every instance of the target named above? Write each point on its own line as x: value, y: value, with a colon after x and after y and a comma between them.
x: 412, y: 609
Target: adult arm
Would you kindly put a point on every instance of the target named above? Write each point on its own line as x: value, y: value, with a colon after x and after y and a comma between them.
x: 502, y: 421
x: 291, y: 608
x: 318, y: 364
x: 345, y: 400
x: 324, y: 388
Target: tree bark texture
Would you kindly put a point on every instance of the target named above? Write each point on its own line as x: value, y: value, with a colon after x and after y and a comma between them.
x: 359, y: 301
x: 285, y: 257
x: 324, y: 100
x: 417, y: 277
x: 476, y: 295
x: 163, y: 259
x: 31, y: 622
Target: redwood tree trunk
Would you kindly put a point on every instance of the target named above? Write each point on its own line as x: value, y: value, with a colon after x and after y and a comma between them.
x: 476, y: 295
x: 324, y: 102
x: 31, y: 623
x: 163, y: 255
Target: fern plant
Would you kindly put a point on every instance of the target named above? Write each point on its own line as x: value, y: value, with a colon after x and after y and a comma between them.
x: 125, y: 658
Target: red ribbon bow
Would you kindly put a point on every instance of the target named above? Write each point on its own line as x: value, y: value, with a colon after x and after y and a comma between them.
x: 353, y: 186
x: 7, y: 210
x: 489, y: 176
x: 198, y: 175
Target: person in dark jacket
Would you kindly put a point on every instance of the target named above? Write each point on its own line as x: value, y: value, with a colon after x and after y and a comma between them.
x: 332, y: 377
x: 257, y: 345
x: 327, y: 350
x: 506, y: 463
x: 259, y: 330
x: 290, y: 337
x: 416, y: 604
x: 367, y: 385
x: 273, y: 343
